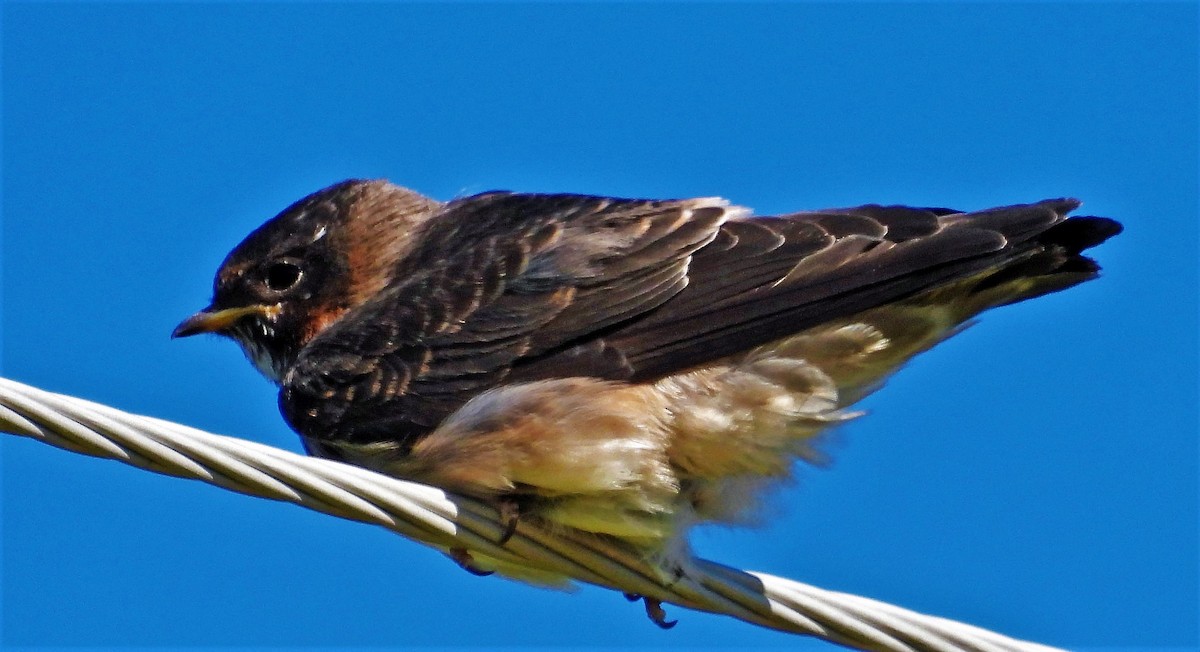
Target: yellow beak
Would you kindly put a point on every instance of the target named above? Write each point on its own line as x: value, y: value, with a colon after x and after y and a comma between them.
x: 216, y: 321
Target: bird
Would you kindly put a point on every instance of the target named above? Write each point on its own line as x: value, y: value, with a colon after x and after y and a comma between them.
x: 625, y: 368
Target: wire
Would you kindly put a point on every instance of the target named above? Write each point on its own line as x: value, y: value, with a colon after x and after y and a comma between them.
x: 447, y: 521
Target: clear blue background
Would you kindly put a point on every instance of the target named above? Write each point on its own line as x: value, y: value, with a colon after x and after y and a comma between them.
x: 1036, y: 475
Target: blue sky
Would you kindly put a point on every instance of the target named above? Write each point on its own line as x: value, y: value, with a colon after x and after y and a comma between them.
x: 1036, y: 475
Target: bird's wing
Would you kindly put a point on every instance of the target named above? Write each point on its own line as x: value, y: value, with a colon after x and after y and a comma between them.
x: 495, y: 278
x: 762, y: 279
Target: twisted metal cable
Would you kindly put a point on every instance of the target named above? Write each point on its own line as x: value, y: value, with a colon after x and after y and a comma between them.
x: 447, y: 521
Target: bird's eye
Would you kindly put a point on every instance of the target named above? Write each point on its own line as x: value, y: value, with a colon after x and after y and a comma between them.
x: 283, y: 275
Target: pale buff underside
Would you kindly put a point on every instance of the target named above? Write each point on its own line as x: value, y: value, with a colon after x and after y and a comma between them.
x: 645, y: 461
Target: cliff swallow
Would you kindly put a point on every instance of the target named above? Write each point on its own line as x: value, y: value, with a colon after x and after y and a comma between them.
x: 617, y: 366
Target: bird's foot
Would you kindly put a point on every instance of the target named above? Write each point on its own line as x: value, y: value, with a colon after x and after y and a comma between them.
x: 463, y: 558
x: 654, y: 610
x: 510, y: 517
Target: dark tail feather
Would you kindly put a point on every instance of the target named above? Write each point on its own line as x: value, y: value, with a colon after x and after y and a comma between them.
x: 1055, y: 262
x: 1050, y: 261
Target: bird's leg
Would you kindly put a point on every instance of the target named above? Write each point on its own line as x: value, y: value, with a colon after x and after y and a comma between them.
x: 677, y: 573
x: 510, y: 516
x: 670, y: 564
x: 654, y: 610
x: 463, y: 558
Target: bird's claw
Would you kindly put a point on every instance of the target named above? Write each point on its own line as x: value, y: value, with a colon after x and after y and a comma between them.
x: 654, y: 610
x: 463, y: 558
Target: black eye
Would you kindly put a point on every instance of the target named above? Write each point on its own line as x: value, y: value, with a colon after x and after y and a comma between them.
x: 283, y: 275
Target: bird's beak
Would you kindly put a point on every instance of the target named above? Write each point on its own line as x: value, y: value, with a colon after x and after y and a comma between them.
x: 216, y: 321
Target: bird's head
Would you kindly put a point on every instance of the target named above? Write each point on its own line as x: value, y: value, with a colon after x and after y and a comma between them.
x: 298, y: 273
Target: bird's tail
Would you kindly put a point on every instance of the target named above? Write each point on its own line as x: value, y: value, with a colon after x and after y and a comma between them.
x: 1052, y: 260
x: 887, y: 336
